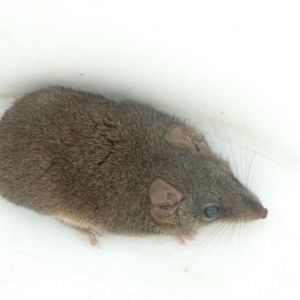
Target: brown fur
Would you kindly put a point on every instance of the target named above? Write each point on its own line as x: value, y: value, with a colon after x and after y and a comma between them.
x: 91, y: 162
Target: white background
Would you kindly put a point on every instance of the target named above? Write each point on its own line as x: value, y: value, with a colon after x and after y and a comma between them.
x: 229, y: 67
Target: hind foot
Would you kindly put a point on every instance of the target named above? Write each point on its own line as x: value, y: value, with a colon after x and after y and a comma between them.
x: 91, y: 233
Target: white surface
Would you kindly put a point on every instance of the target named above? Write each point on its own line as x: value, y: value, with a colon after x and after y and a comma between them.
x: 231, y: 68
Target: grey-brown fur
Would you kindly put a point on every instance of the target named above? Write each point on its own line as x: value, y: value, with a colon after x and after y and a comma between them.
x: 91, y: 161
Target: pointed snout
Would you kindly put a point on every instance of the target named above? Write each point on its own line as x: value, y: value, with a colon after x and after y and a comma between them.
x: 254, y: 212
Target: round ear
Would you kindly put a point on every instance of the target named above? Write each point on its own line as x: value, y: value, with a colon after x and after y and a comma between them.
x: 164, y: 202
x: 180, y: 137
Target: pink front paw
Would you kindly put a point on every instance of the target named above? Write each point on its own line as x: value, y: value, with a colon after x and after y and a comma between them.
x: 186, y: 234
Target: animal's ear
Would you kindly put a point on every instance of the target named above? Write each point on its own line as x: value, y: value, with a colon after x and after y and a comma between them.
x: 180, y: 137
x: 164, y: 202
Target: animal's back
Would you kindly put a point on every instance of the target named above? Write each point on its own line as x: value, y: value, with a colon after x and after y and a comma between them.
x: 66, y: 153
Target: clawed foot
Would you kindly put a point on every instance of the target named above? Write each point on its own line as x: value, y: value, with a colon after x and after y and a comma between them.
x: 92, y: 234
x: 186, y: 234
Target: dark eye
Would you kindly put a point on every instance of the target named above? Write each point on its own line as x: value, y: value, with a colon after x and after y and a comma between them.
x: 211, y: 211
